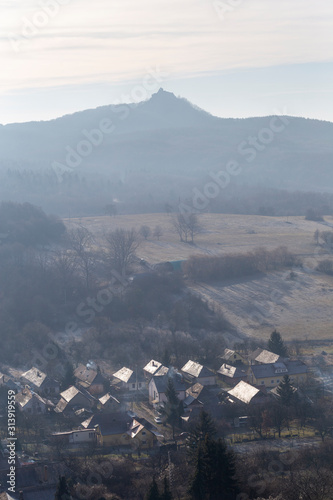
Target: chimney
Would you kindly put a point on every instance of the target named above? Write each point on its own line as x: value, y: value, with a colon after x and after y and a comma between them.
x: 21, y: 497
x: 46, y: 475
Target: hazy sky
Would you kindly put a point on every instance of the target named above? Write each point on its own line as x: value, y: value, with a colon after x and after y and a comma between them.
x: 232, y: 57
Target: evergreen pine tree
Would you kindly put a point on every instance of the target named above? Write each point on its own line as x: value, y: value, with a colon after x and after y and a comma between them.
x: 173, y: 408
x: 166, y: 495
x: 197, y: 487
x: 62, y: 492
x: 276, y: 344
x: 153, y: 493
x: 285, y: 391
x: 204, y: 427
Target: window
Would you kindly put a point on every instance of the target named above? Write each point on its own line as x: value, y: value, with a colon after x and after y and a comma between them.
x: 272, y: 381
x: 278, y: 380
x: 144, y: 442
x: 133, y: 386
x: 262, y: 382
x: 143, y: 433
x: 235, y: 356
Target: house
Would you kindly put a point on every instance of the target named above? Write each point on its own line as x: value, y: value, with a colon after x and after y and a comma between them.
x: 154, y: 367
x: 109, y: 403
x: 158, y: 385
x: 75, y: 437
x: 74, y: 398
x: 205, y: 397
x: 126, y: 379
x: 111, y: 429
x: 121, y: 430
x: 9, y: 383
x: 31, y: 403
x: 270, y: 375
x: 264, y: 357
x: 142, y: 434
x: 246, y: 393
x: 90, y: 379
x: 195, y: 373
x: 231, y: 375
x: 233, y: 357
x: 39, y: 382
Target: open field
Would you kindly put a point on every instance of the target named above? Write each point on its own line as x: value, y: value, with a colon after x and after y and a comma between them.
x: 220, y: 234
x: 300, y: 307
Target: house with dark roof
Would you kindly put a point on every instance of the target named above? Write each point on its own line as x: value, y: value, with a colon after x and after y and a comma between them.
x: 90, y: 379
x: 231, y: 375
x: 270, y: 375
x: 158, y: 385
x: 39, y: 382
x: 196, y: 373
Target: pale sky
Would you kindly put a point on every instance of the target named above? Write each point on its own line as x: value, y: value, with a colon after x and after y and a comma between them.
x: 234, y: 58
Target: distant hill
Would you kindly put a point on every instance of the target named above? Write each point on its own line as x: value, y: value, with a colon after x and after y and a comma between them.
x: 157, y: 151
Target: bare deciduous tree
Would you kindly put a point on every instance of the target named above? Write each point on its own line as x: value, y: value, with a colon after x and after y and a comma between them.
x: 145, y: 231
x: 121, y: 247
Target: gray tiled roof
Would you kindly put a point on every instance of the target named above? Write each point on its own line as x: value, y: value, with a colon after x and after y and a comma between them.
x: 273, y: 369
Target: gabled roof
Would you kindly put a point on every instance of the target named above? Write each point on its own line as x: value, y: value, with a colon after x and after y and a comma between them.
x: 87, y: 375
x: 231, y: 371
x: 244, y: 392
x: 73, y: 391
x: 287, y: 368
x: 124, y: 374
x: 228, y: 354
x: 196, y: 370
x: 22, y: 398
x: 263, y: 356
x: 163, y: 370
x: 108, y: 398
x: 34, y: 376
x: 109, y: 424
x: 161, y: 382
x: 152, y: 367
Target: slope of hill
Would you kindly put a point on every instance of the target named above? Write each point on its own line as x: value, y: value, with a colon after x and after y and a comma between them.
x: 156, y: 151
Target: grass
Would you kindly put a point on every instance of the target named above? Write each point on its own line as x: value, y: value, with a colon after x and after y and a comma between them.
x: 301, y: 308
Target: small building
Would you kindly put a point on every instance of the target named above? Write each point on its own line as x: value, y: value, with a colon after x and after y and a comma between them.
x: 32, y: 403
x: 126, y: 379
x: 204, y: 396
x: 90, y: 379
x: 246, y: 393
x: 109, y: 403
x: 75, y: 437
x: 74, y: 398
x: 39, y: 382
x: 231, y: 375
x: 270, y: 375
x: 158, y: 385
x: 232, y: 357
x: 195, y: 373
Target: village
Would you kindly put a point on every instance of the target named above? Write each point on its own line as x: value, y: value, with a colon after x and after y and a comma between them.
x: 107, y: 419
